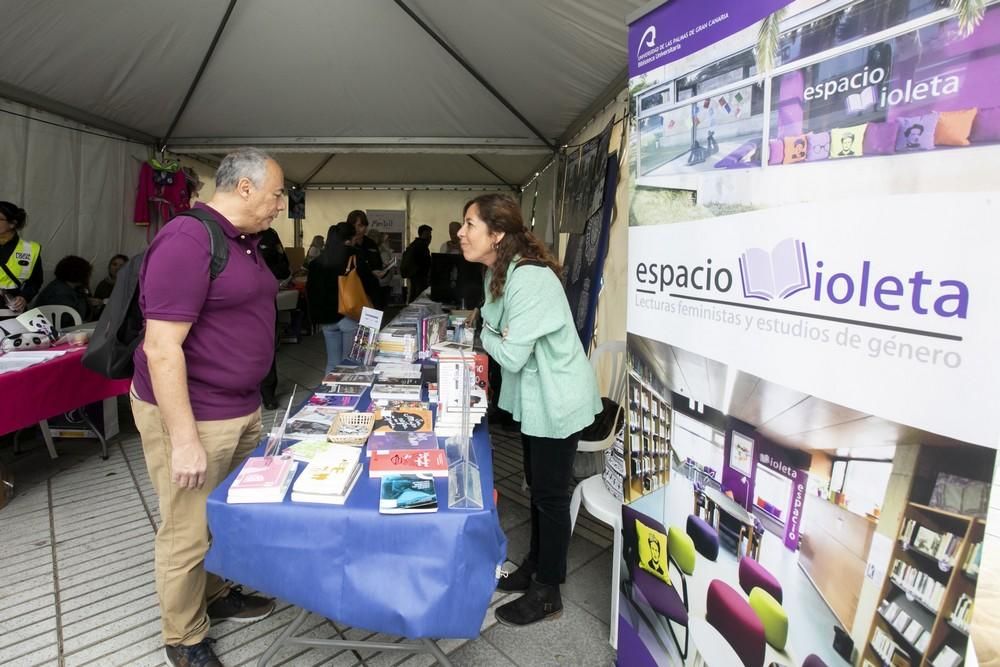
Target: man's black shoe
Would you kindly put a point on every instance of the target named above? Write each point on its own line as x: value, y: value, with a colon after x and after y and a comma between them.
x: 540, y: 603
x: 197, y: 655
x: 237, y: 606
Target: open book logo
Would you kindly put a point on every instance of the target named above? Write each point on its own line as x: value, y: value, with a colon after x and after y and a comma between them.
x: 777, y: 274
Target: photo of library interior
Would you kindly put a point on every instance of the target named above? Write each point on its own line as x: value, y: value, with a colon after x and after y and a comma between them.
x: 834, y: 526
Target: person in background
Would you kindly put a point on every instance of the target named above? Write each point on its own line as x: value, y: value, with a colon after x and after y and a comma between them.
x: 548, y: 386
x: 322, y: 292
x: 277, y: 261
x: 415, y: 264
x: 196, y: 389
x: 367, y: 250
x: 452, y: 246
x: 69, y: 288
x: 386, y: 274
x: 107, y: 284
x: 315, y: 248
x: 20, y: 262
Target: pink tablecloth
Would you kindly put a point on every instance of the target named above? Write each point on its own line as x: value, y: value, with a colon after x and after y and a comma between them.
x: 48, y: 389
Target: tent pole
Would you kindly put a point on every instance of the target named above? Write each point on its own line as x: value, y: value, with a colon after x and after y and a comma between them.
x: 198, y: 75
x: 471, y: 70
x: 318, y: 169
x: 485, y: 166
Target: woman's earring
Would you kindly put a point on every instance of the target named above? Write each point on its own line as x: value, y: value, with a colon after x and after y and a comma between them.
x: 495, y: 246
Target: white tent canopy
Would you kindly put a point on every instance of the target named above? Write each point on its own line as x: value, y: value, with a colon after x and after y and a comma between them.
x: 430, y: 82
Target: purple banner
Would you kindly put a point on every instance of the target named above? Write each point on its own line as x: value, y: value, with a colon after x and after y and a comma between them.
x: 783, y: 461
x: 682, y: 27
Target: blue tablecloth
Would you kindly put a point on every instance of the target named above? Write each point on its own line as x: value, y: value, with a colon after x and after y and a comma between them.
x: 421, y: 575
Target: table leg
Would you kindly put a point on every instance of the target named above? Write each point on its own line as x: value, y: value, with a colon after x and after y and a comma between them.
x: 289, y: 631
x: 436, y: 651
x: 616, y: 573
x: 100, y: 436
x: 43, y: 426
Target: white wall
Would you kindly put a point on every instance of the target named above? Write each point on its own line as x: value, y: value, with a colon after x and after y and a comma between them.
x: 78, y: 189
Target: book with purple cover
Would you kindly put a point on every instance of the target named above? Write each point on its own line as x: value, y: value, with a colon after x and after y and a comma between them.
x: 337, y: 401
x: 398, y: 440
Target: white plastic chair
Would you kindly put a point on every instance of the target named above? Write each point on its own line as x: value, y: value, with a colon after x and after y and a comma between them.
x: 55, y: 315
x: 614, y: 351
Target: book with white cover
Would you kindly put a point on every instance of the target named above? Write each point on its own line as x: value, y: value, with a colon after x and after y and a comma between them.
x: 326, y: 498
x: 329, y: 475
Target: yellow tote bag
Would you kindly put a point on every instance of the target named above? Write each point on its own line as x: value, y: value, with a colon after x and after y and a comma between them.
x: 351, y: 296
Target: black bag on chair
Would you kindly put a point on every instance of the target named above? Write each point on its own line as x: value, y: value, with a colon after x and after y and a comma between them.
x: 609, y: 419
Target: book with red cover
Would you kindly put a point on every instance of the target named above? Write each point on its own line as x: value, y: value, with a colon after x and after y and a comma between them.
x: 402, y: 462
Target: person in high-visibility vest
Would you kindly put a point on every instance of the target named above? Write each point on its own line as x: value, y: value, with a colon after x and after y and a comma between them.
x: 20, y: 262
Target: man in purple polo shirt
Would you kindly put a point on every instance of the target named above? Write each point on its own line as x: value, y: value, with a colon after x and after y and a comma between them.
x: 196, y: 389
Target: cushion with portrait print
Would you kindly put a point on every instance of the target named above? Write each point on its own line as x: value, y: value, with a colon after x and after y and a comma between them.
x: 848, y: 141
x: 916, y: 133
x: 652, y: 547
x: 819, y: 146
x: 796, y: 149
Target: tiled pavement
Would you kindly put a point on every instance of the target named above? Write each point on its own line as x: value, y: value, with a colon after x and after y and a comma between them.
x: 76, y: 567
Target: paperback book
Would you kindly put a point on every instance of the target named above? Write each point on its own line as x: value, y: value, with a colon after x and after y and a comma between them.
x: 307, y: 450
x: 403, y: 420
x: 341, y: 388
x: 338, y: 401
x: 401, y: 392
x: 361, y: 378
x: 397, y: 441
x: 400, y: 462
x: 329, y: 477
x: 407, y: 494
x: 262, y: 479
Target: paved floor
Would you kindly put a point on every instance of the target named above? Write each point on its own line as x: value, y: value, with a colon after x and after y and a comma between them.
x: 76, y: 566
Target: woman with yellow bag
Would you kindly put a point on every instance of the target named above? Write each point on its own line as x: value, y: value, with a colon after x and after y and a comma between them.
x: 339, y: 284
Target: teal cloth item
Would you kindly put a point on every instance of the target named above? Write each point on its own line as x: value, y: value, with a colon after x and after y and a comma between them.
x: 772, y: 615
x: 548, y: 384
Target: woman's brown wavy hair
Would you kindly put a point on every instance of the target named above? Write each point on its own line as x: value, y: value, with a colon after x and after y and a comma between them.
x: 502, y: 214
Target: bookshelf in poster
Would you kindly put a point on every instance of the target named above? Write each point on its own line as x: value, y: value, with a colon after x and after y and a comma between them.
x: 407, y: 494
x: 403, y: 420
x: 262, y: 479
x: 329, y: 477
x: 941, y: 546
x: 397, y: 441
x: 397, y: 462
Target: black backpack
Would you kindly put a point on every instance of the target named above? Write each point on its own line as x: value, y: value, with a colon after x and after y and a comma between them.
x: 120, y: 327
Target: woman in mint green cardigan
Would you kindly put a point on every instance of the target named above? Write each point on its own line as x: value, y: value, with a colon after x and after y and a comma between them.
x: 547, y: 385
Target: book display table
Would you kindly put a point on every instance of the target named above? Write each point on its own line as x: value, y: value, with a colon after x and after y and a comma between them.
x: 40, y: 392
x: 421, y: 576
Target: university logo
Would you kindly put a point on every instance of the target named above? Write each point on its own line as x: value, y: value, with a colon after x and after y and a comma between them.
x: 648, y: 39
x: 777, y: 274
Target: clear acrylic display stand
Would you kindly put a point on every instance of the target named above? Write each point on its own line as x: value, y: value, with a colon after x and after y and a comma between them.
x: 366, y: 338
x: 465, y: 488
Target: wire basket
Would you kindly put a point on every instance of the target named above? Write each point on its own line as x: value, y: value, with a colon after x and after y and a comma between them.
x: 351, y: 428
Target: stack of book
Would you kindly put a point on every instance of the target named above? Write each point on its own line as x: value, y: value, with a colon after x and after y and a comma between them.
x: 392, y: 441
x: 407, y: 494
x: 912, y: 630
x: 947, y: 657
x: 307, y: 450
x: 454, y: 372
x: 918, y: 584
x: 329, y: 477
x: 973, y: 559
x: 403, y: 420
x: 942, y: 546
x: 890, y: 652
x: 403, y: 462
x: 397, y: 343
x: 962, y: 616
x: 262, y: 479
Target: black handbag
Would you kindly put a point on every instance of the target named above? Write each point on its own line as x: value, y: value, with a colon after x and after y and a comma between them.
x: 610, y: 418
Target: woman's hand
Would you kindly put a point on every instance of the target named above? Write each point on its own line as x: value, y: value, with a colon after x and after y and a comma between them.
x: 470, y: 321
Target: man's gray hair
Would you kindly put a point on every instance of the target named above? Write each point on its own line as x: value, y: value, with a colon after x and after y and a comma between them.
x: 241, y: 163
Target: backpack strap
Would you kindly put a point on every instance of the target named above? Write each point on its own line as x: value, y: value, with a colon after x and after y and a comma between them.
x: 10, y: 275
x: 217, y: 239
x: 530, y: 262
